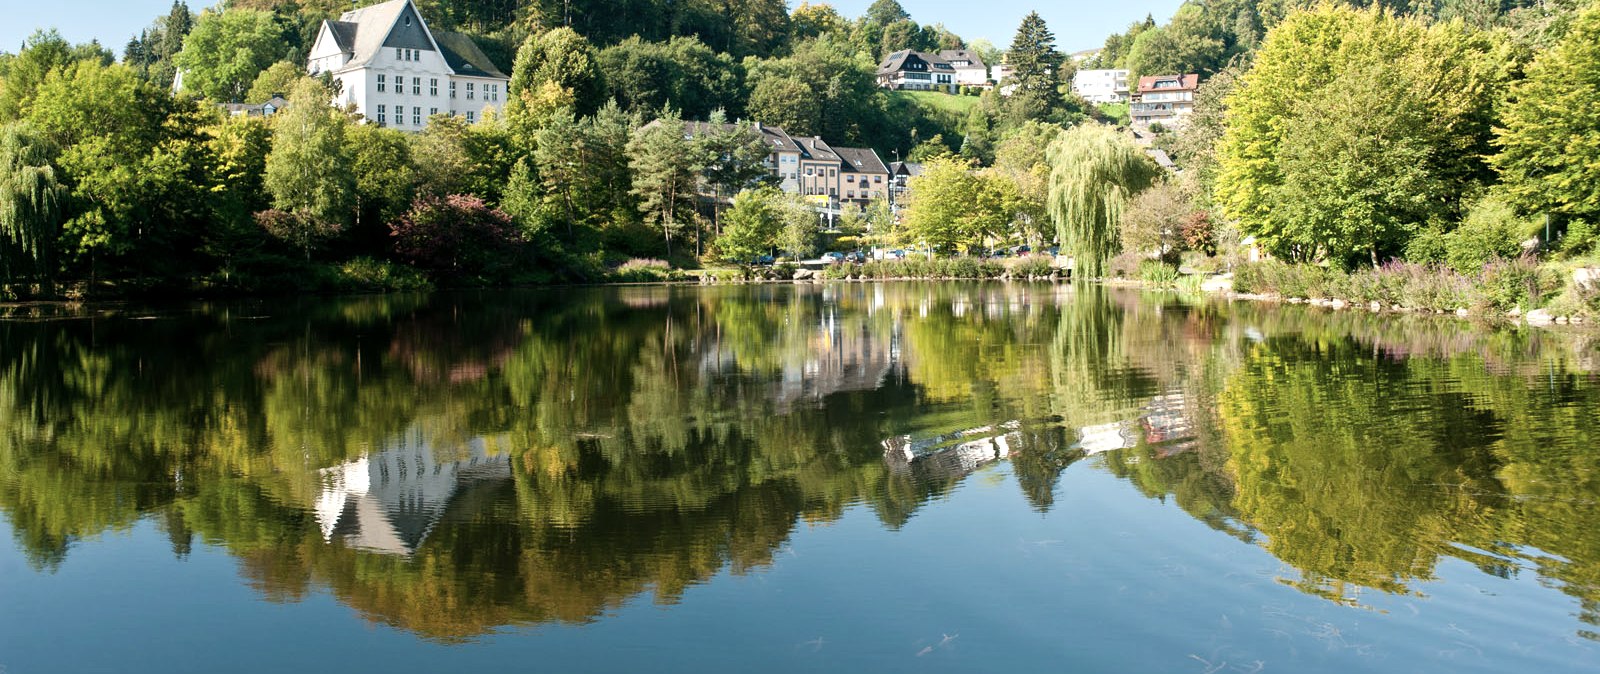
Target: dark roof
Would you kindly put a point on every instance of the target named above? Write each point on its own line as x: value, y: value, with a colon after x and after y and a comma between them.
x: 344, y: 35
x: 898, y: 61
x: 962, y: 55
x: 464, y: 56
x: 771, y: 136
x: 860, y: 160
x: 816, y: 149
x: 905, y: 168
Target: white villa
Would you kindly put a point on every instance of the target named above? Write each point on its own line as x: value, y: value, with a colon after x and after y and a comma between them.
x: 397, y: 73
x: 1101, y: 86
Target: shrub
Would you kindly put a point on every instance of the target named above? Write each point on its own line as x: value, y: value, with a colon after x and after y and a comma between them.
x: 1030, y: 265
x: 1490, y: 231
x: 369, y: 275
x: 1579, y: 238
x: 1125, y: 265
x: 457, y: 237
x: 1199, y: 232
x: 1508, y: 284
x: 1158, y: 274
x: 645, y: 270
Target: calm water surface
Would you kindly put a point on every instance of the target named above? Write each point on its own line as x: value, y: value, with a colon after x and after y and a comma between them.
x: 901, y: 477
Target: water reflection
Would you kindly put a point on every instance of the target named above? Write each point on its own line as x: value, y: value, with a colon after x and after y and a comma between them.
x: 454, y: 464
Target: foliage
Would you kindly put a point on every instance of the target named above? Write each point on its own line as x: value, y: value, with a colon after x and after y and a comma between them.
x: 1094, y: 171
x: 682, y: 72
x: 227, y: 50
x: 457, y: 238
x: 31, y: 199
x: 1548, y: 144
x: 1158, y: 274
x: 644, y: 271
x: 750, y: 228
x: 1490, y: 231
x: 954, y: 209
x: 43, y: 53
x: 1153, y: 222
x: 560, y: 56
x: 277, y: 80
x: 1034, y: 62
x: 1353, y: 129
x: 368, y: 275
x: 664, y: 165
x: 309, y: 172
x: 799, y: 225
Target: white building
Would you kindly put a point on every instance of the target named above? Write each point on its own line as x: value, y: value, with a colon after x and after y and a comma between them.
x: 1167, y: 100
x: 1101, y: 86
x: 915, y: 71
x: 970, y: 70
x: 397, y: 73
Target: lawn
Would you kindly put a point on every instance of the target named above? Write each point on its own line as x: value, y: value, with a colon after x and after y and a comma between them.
x: 957, y: 105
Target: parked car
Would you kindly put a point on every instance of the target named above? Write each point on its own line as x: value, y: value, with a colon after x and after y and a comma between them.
x: 833, y: 257
x: 855, y: 256
x: 763, y: 260
x: 895, y: 254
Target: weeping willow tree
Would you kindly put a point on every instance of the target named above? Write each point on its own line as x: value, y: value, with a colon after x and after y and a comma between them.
x: 1094, y: 171
x: 30, y: 205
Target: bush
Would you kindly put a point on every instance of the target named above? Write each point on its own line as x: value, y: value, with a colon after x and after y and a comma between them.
x: 1579, y: 238
x: 457, y: 237
x: 1030, y: 265
x: 1158, y: 274
x: 1490, y: 231
x: 645, y: 270
x: 1520, y: 283
x: 369, y: 275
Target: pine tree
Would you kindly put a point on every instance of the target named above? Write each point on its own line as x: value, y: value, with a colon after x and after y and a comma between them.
x: 1034, y: 60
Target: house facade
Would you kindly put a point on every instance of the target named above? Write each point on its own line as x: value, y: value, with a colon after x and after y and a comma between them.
x: 864, y: 176
x: 1102, y: 85
x: 1163, y: 99
x: 810, y: 166
x: 915, y: 71
x: 970, y: 70
x: 396, y: 72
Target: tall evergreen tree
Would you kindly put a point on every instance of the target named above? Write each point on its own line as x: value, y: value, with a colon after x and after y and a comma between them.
x: 1034, y: 62
x: 664, y: 166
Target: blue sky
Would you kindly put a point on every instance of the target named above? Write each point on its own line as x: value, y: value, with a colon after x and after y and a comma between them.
x: 1078, y: 24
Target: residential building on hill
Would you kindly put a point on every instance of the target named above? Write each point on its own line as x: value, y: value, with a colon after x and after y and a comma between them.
x: 1163, y: 99
x: 810, y: 166
x: 267, y: 109
x: 915, y: 71
x: 1101, y: 86
x: 970, y: 70
x: 396, y: 72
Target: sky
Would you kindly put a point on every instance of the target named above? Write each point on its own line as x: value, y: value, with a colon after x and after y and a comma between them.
x: 1078, y: 24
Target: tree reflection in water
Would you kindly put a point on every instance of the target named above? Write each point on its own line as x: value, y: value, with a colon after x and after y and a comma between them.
x: 456, y: 463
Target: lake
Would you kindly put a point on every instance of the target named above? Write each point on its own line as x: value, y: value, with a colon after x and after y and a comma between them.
x: 897, y: 477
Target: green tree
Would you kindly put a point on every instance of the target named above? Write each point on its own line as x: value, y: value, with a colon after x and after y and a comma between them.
x: 954, y: 209
x: 750, y: 227
x: 1094, y: 171
x: 277, y: 80
x: 385, y: 181
x: 309, y: 171
x: 664, y: 165
x: 227, y: 50
x: 31, y: 199
x: 1312, y: 168
x: 44, y: 52
x: 682, y: 72
x: 799, y: 226
x: 812, y: 20
x: 1548, y: 148
x: 1152, y: 222
x: 562, y: 56
x: 1034, y: 62
x: 735, y: 158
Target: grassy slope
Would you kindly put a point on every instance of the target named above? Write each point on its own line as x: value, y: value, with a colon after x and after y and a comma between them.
x: 957, y: 105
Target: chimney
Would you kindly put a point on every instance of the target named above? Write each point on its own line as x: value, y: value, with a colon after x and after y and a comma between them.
x: 758, y: 127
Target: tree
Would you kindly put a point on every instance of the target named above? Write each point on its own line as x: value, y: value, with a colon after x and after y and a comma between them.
x: 44, y: 52
x: 682, y: 72
x: 1094, y: 171
x: 953, y: 209
x: 457, y: 237
x: 1353, y: 129
x: 1034, y: 61
x: 809, y: 21
x: 750, y: 227
x: 277, y: 80
x: 664, y: 167
x: 735, y: 158
x: 309, y: 171
x: 840, y: 100
x: 800, y: 224
x: 385, y: 180
x: 885, y: 12
x: 1152, y: 223
x: 31, y: 199
x: 227, y: 50
x: 561, y: 56
x: 152, y: 52
x: 1547, y: 149
x: 1020, y: 159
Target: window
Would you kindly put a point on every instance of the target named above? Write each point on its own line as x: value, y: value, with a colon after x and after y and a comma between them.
x: 469, y: 116
x: 399, y: 54
x: 469, y: 91
x: 452, y: 89
x: 808, y: 170
x: 433, y: 111
x: 433, y: 86
x: 416, y: 86
x: 832, y: 173
x: 416, y: 116
x: 877, y: 179
x: 380, y: 83
x: 381, y: 118
x: 850, y: 178
x: 850, y: 194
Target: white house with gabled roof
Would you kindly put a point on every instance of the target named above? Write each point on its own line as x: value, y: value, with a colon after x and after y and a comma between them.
x: 396, y: 72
